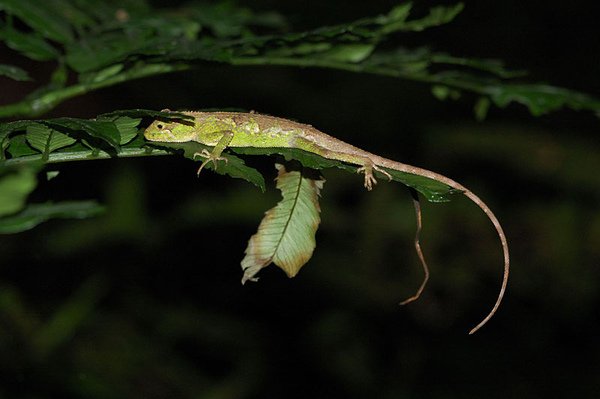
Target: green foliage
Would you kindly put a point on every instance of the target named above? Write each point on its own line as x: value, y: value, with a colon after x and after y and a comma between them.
x: 433, y: 190
x: 286, y: 235
x: 234, y: 167
x: 106, y: 43
x: 35, y: 214
x: 45, y: 139
x: 14, y: 72
x: 15, y: 185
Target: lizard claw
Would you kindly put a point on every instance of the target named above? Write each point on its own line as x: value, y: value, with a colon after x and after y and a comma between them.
x: 209, y: 158
x: 370, y: 180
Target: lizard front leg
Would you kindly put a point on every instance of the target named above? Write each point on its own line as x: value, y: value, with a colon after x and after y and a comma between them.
x: 215, y: 155
x: 367, y: 169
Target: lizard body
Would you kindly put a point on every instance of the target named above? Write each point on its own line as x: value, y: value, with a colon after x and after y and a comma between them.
x: 238, y: 129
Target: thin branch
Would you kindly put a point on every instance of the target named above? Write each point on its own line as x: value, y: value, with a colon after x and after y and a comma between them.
x: 69, y: 156
x: 38, y: 105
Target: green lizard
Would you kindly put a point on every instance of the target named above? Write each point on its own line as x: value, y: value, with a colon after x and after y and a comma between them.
x: 237, y: 129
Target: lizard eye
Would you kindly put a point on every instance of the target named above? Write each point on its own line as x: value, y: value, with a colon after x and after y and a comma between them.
x: 160, y: 126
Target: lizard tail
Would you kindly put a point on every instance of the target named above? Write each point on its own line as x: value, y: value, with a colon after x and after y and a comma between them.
x: 417, y: 242
x: 504, y: 243
x: 386, y: 163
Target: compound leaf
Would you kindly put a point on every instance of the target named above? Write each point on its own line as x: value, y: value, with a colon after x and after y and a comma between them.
x: 45, y: 139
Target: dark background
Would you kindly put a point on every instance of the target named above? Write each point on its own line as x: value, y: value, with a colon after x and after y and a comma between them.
x: 145, y: 301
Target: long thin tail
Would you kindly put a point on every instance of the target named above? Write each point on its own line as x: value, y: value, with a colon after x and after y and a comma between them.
x: 504, y: 243
x: 417, y: 206
x: 498, y: 227
x: 398, y: 166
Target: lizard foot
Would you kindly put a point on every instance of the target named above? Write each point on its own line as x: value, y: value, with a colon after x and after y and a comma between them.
x: 209, y: 158
x: 370, y: 180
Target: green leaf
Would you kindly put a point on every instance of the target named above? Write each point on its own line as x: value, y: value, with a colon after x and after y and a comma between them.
x: 35, y: 214
x: 127, y: 126
x: 234, y: 167
x: 146, y: 35
x: 15, y: 186
x: 355, y: 52
x: 45, y: 139
x: 30, y: 45
x: 286, y: 235
x: 481, y: 108
x: 396, y: 19
x: 51, y: 174
x: 307, y: 159
x: 494, y: 67
x: 101, y: 129
x: 40, y: 16
x: 227, y: 19
x: 433, y: 190
x: 398, y: 14
x: 101, y: 75
x: 14, y: 73
x: 145, y: 113
x: 540, y: 98
x: 7, y: 128
x: 18, y: 147
x: 439, y: 15
x: 443, y: 92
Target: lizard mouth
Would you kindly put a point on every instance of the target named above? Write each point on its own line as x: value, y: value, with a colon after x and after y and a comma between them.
x: 168, y: 134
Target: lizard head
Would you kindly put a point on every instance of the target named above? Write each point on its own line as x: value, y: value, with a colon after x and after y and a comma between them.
x: 174, y: 132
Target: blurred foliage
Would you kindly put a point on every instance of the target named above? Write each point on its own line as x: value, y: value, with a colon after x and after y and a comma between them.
x: 144, y: 300
x: 105, y: 43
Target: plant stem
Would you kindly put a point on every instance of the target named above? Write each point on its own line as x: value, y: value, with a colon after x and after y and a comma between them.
x: 38, y: 105
x: 69, y: 156
x: 361, y: 68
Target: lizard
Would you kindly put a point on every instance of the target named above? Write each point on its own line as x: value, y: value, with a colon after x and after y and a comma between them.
x: 249, y: 129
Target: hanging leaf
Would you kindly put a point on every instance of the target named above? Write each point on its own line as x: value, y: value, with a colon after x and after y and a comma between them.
x: 286, y: 235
